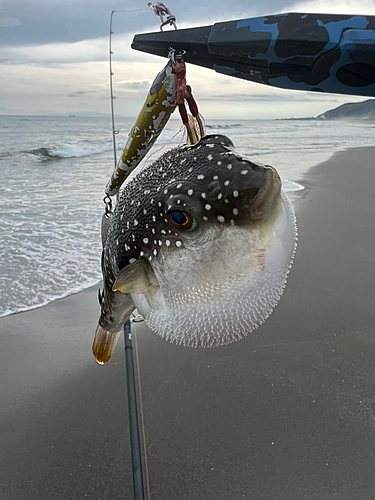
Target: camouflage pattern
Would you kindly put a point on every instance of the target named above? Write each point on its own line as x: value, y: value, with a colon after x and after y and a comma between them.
x: 318, y: 52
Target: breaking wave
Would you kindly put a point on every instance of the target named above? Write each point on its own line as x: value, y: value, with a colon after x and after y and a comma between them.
x: 76, y: 150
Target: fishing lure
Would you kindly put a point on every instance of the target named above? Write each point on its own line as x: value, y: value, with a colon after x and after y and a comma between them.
x: 156, y: 111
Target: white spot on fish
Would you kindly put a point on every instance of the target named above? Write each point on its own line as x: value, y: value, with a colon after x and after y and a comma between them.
x: 209, y: 157
x: 229, y: 166
x: 135, y: 222
x: 226, y: 183
x: 203, y: 195
x: 207, y: 207
x: 167, y: 242
x: 219, y: 162
x: 219, y: 196
x: 220, y: 218
x: 145, y: 240
x: 165, y: 191
x: 153, y: 218
x: 200, y: 177
x: 190, y: 192
x: 141, y: 254
x: 132, y: 260
x: 235, y: 211
x: 205, y: 218
x: 178, y: 202
x: 155, y: 252
x: 235, y: 194
x: 210, y: 145
x: 178, y: 243
x: 159, y: 243
x: 179, y: 185
x: 244, y: 172
x: 215, y: 177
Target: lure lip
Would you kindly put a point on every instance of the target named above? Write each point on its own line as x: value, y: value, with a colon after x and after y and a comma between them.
x: 104, y: 344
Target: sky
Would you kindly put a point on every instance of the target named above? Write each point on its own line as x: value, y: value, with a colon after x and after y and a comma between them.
x: 54, y: 58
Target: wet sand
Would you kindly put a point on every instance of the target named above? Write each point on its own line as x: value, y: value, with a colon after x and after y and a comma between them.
x: 288, y: 413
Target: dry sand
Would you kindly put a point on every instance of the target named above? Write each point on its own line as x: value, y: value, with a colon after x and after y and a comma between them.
x: 286, y: 414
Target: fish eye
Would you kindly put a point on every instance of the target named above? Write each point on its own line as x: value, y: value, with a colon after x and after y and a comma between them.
x: 182, y: 220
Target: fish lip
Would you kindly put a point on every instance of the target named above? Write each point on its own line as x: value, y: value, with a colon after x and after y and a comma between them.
x: 262, y: 204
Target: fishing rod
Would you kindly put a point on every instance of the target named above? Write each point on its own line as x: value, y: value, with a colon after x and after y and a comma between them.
x: 161, y: 11
x: 133, y: 416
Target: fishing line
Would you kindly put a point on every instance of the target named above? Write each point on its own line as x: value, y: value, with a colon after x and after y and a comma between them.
x: 163, y: 146
x: 111, y: 73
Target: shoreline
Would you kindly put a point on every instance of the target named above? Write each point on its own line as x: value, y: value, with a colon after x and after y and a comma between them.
x: 295, y: 195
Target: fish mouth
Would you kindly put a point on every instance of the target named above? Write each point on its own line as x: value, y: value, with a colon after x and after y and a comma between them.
x: 260, y: 197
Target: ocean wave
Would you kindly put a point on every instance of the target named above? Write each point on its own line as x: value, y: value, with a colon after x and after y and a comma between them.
x: 225, y: 126
x: 259, y: 129
x: 77, y: 150
x: 47, y: 299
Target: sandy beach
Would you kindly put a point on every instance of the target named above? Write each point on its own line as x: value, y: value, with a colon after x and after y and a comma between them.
x: 288, y: 413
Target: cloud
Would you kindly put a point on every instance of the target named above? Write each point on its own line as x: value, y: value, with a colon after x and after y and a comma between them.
x: 76, y: 94
x: 9, y: 22
x: 136, y: 85
x: 53, y: 21
x: 55, y: 51
x: 77, y: 52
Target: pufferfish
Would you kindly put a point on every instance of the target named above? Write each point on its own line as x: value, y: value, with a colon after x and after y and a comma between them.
x: 200, y: 243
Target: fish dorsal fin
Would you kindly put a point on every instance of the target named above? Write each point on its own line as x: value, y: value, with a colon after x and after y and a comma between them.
x: 137, y: 277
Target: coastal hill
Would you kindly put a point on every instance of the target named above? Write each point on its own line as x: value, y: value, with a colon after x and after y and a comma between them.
x: 353, y: 110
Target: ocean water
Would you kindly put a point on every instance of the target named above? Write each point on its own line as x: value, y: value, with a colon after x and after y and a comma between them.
x: 53, y: 171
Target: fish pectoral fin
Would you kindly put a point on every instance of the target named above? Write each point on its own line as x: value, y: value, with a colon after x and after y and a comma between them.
x: 137, y: 277
x: 104, y: 344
